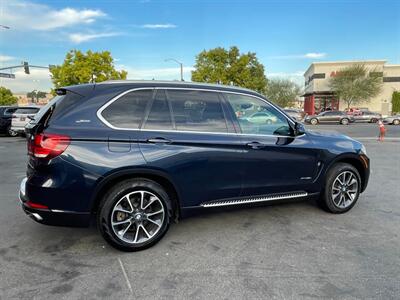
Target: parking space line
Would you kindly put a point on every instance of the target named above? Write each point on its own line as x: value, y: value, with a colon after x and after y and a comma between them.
x: 128, y: 283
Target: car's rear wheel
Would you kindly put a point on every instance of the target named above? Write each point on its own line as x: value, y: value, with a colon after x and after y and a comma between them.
x: 344, y: 121
x: 373, y: 120
x: 134, y: 214
x: 396, y: 122
x: 11, y: 132
x: 342, y: 188
x: 314, y: 121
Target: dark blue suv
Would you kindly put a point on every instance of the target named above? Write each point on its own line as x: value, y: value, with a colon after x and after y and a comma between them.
x: 138, y: 155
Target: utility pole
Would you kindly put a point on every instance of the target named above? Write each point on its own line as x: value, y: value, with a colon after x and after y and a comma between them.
x: 178, y: 62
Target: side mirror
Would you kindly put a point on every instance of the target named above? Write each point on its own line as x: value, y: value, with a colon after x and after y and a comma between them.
x: 299, y: 129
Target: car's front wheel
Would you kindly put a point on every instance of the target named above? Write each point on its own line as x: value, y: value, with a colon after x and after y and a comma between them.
x: 396, y: 122
x: 314, y: 121
x: 134, y: 214
x: 342, y: 188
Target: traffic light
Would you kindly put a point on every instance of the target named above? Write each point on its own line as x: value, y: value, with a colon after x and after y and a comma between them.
x: 26, y: 67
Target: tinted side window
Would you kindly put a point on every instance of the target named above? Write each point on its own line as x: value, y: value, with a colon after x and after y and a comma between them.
x: 197, y: 111
x: 160, y: 115
x: 128, y: 110
x: 258, y: 117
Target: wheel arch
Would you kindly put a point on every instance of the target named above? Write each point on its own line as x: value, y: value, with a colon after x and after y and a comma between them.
x: 158, y: 176
x: 355, y: 161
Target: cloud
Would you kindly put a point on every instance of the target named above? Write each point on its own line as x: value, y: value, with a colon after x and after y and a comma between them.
x: 158, y: 26
x: 312, y: 55
x: 296, y: 77
x: 84, y: 37
x: 24, y: 15
x: 5, y: 58
x: 37, y: 79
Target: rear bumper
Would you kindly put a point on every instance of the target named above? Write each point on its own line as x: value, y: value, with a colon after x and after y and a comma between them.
x: 18, y: 129
x: 52, y: 216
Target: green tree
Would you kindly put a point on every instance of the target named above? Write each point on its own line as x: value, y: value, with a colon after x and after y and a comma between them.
x: 223, y: 66
x: 282, y: 92
x: 86, y: 67
x: 36, y: 95
x: 7, y: 97
x: 355, y: 84
x: 396, y: 102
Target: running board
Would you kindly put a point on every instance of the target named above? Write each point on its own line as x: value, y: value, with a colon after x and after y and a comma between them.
x: 255, y: 199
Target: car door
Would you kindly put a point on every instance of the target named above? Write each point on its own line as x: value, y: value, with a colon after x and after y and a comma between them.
x: 274, y: 160
x: 186, y: 133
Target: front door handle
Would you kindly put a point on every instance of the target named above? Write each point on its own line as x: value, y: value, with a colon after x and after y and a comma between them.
x: 255, y: 145
x: 159, y: 141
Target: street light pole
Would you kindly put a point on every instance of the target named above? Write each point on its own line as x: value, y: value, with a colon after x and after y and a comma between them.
x: 178, y: 62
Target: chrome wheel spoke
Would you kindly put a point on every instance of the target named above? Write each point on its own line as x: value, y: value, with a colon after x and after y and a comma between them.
x: 151, y: 201
x: 125, y: 230
x: 154, y: 222
x: 155, y: 213
x: 136, y: 234
x: 141, y: 199
x: 129, y: 202
x: 145, y: 231
x: 122, y: 210
x: 121, y: 222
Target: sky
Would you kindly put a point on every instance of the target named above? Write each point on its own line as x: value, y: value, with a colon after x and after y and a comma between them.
x: 286, y: 35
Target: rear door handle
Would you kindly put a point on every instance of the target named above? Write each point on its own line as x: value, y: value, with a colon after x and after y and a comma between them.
x: 159, y: 141
x: 255, y: 145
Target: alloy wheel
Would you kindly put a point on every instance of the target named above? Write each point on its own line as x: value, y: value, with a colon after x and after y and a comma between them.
x: 396, y: 122
x: 344, y: 189
x: 137, y: 217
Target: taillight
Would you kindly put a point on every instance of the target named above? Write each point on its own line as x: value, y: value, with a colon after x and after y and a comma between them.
x: 48, y: 145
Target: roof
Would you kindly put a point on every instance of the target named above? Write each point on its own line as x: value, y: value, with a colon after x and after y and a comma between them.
x: 177, y: 84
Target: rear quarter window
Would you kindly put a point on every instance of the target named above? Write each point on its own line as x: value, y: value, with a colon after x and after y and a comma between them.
x: 128, y: 110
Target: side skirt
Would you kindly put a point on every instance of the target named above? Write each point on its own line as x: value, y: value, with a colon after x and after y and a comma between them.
x: 256, y: 199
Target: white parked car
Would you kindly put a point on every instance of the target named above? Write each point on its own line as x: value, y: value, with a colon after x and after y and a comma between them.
x: 393, y: 120
x: 22, y: 116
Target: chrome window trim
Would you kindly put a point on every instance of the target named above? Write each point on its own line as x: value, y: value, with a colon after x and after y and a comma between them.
x: 103, y: 107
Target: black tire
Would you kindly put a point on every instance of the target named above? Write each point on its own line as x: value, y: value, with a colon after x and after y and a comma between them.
x: 114, y: 195
x: 326, y: 199
x: 396, y: 122
x: 314, y: 121
x: 374, y: 120
x: 11, y: 132
x: 344, y: 121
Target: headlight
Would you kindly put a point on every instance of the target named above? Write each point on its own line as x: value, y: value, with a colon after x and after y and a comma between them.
x: 363, y: 149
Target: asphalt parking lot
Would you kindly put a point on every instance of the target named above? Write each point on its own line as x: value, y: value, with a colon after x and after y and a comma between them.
x: 289, y: 251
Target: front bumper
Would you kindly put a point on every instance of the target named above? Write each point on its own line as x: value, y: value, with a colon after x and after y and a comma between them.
x: 49, y: 216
